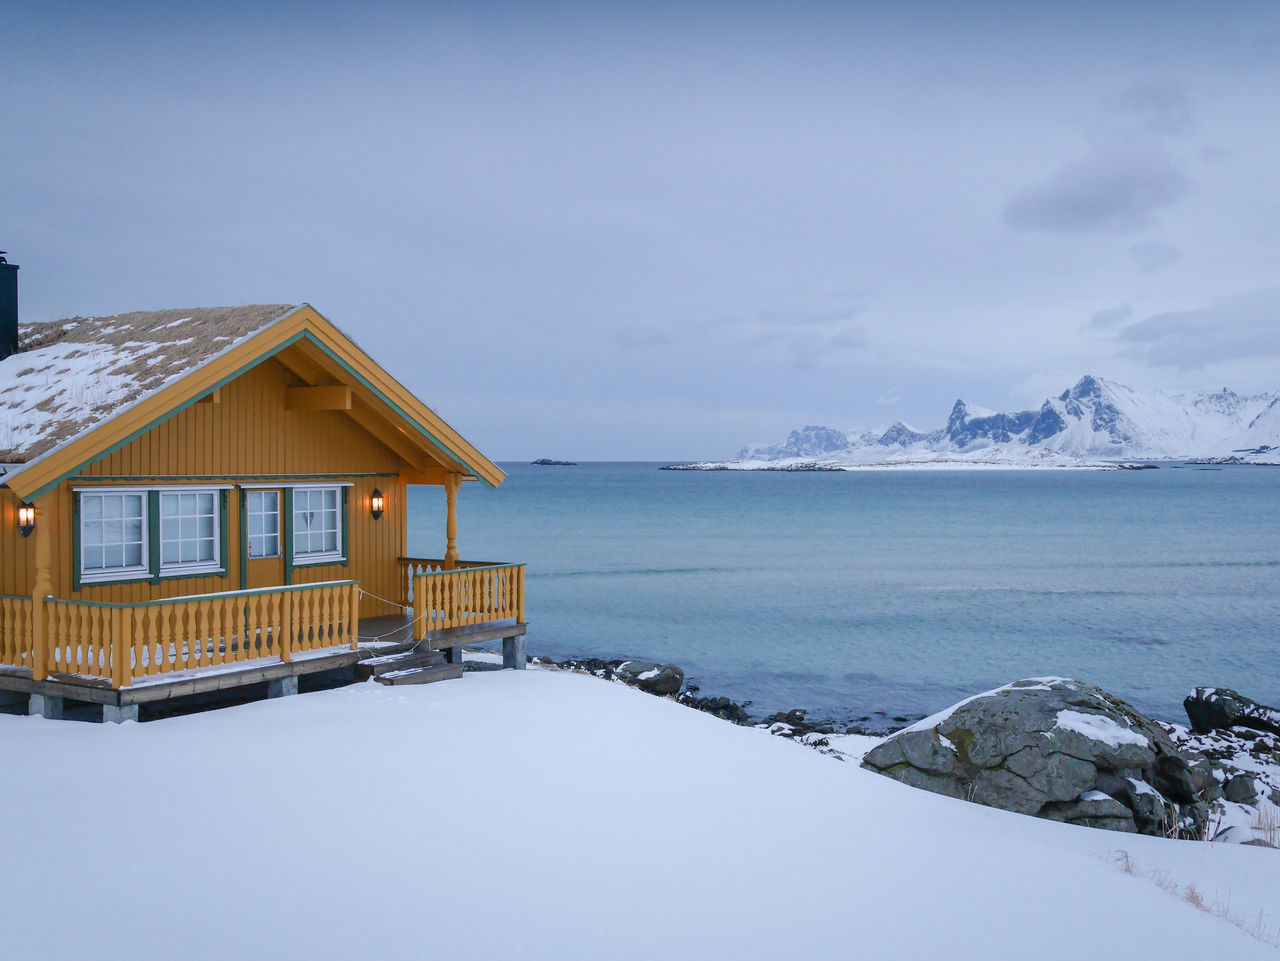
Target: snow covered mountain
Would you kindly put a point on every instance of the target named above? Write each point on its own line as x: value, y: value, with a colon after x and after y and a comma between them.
x: 1096, y: 419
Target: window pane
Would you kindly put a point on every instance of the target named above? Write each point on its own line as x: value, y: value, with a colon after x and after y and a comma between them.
x: 255, y: 524
x: 112, y: 505
x: 133, y: 505
x: 168, y: 505
x: 91, y: 506
x: 133, y: 555
x: 113, y: 556
x: 169, y: 553
x: 205, y: 550
x: 206, y: 526
x: 331, y: 541
x: 91, y: 533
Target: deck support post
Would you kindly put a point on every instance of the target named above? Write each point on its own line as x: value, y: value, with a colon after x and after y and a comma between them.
x: 46, y: 706
x: 513, y: 653
x: 451, y: 484
x: 119, y: 713
x: 283, y: 686
x: 46, y: 525
x: 453, y: 655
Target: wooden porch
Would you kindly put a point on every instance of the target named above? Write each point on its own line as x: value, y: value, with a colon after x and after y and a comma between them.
x: 124, y: 655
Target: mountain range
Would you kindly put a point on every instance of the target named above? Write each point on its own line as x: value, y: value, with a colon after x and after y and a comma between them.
x: 1096, y: 419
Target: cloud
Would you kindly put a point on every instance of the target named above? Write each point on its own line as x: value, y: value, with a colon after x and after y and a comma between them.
x: 1237, y: 327
x: 1160, y: 109
x: 810, y: 347
x: 1116, y: 190
x: 1150, y: 255
x: 889, y: 397
x: 1110, y: 317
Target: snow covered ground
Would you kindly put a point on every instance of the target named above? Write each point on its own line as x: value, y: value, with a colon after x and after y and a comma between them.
x: 546, y: 814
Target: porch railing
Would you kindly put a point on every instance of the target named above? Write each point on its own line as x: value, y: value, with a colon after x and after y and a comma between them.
x: 15, y: 630
x: 467, y: 595
x: 411, y: 567
x: 124, y: 642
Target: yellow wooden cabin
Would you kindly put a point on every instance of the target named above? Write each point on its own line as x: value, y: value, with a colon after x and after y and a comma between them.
x: 195, y: 500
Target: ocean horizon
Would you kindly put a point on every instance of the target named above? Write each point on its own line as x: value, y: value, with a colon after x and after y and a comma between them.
x: 866, y: 597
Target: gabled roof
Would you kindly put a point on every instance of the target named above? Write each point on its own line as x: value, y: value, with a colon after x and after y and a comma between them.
x: 80, y: 388
x: 70, y: 375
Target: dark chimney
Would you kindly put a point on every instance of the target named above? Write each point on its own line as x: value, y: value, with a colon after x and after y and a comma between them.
x: 8, y: 307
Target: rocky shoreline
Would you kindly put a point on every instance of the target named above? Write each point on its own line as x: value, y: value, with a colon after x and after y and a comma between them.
x: 1049, y: 747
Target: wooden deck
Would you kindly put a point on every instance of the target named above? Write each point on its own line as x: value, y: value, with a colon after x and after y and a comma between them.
x: 379, y: 636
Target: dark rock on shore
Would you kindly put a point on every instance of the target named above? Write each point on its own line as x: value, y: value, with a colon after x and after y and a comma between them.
x: 1054, y: 748
x: 721, y: 707
x: 1215, y: 709
x: 548, y: 462
x: 658, y: 679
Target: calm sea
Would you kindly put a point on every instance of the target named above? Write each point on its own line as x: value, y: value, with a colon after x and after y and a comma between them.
x: 895, y: 592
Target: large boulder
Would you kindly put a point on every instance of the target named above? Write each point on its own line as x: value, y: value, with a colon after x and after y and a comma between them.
x: 1054, y: 748
x: 654, y: 678
x: 1218, y: 708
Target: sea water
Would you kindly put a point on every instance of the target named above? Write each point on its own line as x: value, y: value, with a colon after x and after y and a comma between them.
x: 896, y: 592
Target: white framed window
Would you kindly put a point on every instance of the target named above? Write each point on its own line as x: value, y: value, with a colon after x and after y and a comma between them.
x: 262, y: 514
x: 133, y: 533
x: 113, y: 536
x: 317, y: 524
x: 190, y: 532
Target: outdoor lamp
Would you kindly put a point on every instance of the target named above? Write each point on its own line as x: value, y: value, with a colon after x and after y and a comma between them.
x: 375, y: 504
x: 26, y: 518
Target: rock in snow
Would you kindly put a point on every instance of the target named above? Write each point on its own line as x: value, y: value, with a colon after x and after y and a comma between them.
x: 1055, y: 748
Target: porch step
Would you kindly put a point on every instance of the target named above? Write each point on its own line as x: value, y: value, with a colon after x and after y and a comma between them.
x: 405, y: 660
x: 421, y: 675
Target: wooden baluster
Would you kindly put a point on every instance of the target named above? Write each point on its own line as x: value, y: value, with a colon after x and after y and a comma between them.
x: 353, y: 616
x: 286, y: 634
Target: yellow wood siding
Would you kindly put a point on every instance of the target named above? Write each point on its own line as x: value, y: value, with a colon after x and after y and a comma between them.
x: 17, y: 553
x: 248, y: 433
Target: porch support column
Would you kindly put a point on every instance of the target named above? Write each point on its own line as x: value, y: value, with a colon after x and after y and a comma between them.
x: 46, y: 525
x: 513, y: 656
x: 451, y: 484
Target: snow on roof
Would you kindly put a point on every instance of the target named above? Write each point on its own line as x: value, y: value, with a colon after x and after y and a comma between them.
x: 71, y: 375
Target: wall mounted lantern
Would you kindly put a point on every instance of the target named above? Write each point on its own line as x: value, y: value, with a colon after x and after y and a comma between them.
x: 375, y: 503
x: 26, y: 518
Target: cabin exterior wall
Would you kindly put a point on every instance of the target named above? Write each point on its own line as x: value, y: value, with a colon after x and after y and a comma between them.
x: 248, y: 435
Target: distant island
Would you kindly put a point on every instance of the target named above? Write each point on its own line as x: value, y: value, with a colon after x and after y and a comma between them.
x: 548, y: 462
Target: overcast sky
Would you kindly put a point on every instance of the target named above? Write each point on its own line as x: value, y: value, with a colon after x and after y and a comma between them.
x: 636, y: 232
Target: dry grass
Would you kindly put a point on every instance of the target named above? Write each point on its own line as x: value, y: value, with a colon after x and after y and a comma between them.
x: 1259, y: 926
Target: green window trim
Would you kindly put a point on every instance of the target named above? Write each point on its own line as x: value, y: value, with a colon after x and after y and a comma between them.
x: 154, y: 573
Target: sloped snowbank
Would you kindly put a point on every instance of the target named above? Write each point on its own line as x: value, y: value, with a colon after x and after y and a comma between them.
x: 544, y: 814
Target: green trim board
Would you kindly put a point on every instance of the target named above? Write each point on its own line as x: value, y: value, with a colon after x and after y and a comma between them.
x: 223, y: 478
x: 346, y: 526
x: 76, y: 558
x: 199, y: 597
x: 286, y: 532
x: 244, y: 539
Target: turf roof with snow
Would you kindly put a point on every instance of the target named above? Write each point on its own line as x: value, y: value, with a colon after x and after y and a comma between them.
x: 71, y: 375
